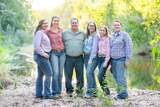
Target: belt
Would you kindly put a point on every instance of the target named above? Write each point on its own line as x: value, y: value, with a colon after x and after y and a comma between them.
x: 53, y: 50
x: 122, y: 58
x: 74, y: 56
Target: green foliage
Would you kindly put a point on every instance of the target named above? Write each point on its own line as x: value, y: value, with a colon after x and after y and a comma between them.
x: 155, y: 53
x: 15, y: 13
x: 140, y: 18
x: 4, y: 56
x: 16, y: 27
x: 16, y: 22
x: 106, y: 100
x: 119, y: 89
x: 156, y: 64
x: 15, y: 84
x: 20, y: 66
x: 142, y: 74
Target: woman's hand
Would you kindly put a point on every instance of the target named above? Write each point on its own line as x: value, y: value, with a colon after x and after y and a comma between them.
x: 104, y: 65
x: 126, y: 64
x: 46, y: 56
x: 89, y: 62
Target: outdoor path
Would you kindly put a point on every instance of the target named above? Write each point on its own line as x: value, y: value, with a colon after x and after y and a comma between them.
x: 23, y: 96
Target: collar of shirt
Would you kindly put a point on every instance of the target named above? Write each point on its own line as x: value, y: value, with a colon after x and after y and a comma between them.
x: 117, y: 33
x: 102, y: 37
x: 43, y: 30
x: 59, y: 30
x: 79, y: 31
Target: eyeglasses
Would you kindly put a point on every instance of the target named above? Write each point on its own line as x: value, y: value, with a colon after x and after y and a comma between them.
x: 56, y: 20
x: 117, y: 25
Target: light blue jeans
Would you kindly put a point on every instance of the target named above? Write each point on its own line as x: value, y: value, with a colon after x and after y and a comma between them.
x: 91, y: 81
x: 57, y: 61
x: 119, y: 73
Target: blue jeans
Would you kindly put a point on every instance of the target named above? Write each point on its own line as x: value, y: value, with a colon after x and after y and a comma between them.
x: 70, y: 64
x: 44, y: 69
x: 119, y: 73
x: 91, y: 81
x: 102, y: 74
x: 57, y: 61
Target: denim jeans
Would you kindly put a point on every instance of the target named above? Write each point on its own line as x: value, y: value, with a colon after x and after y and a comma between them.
x: 119, y: 73
x: 57, y: 61
x: 102, y: 74
x: 91, y: 81
x: 44, y: 69
x: 70, y: 64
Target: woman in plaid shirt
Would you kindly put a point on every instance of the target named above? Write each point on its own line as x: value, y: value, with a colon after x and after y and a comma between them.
x: 121, y: 53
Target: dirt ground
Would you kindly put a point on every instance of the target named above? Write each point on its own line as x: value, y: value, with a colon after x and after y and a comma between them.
x: 23, y: 96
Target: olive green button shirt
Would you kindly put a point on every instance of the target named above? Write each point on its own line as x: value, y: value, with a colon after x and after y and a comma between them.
x: 73, y: 42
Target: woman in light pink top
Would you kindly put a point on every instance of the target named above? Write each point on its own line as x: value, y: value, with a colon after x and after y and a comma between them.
x: 103, y: 57
x: 42, y: 50
x: 57, y: 55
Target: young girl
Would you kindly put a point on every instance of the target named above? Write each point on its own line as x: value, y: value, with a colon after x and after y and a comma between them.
x: 103, y: 57
x: 90, y: 58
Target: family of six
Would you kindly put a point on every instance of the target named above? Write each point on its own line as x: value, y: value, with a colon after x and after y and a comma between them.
x: 55, y: 49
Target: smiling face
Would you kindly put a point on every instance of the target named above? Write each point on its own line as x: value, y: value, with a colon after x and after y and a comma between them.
x: 117, y: 26
x: 74, y: 24
x: 55, y: 22
x: 102, y: 31
x: 44, y: 25
x: 91, y: 27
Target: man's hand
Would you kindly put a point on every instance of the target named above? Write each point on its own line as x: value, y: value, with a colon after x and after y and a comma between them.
x: 126, y: 64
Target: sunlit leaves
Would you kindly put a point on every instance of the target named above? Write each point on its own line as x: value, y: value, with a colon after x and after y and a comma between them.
x: 155, y: 53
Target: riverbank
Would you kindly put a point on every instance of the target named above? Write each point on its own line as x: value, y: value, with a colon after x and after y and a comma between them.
x: 23, y: 96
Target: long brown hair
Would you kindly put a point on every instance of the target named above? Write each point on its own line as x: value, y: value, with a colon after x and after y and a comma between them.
x: 107, y: 32
x: 39, y: 25
x: 53, y: 17
x: 87, y: 31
